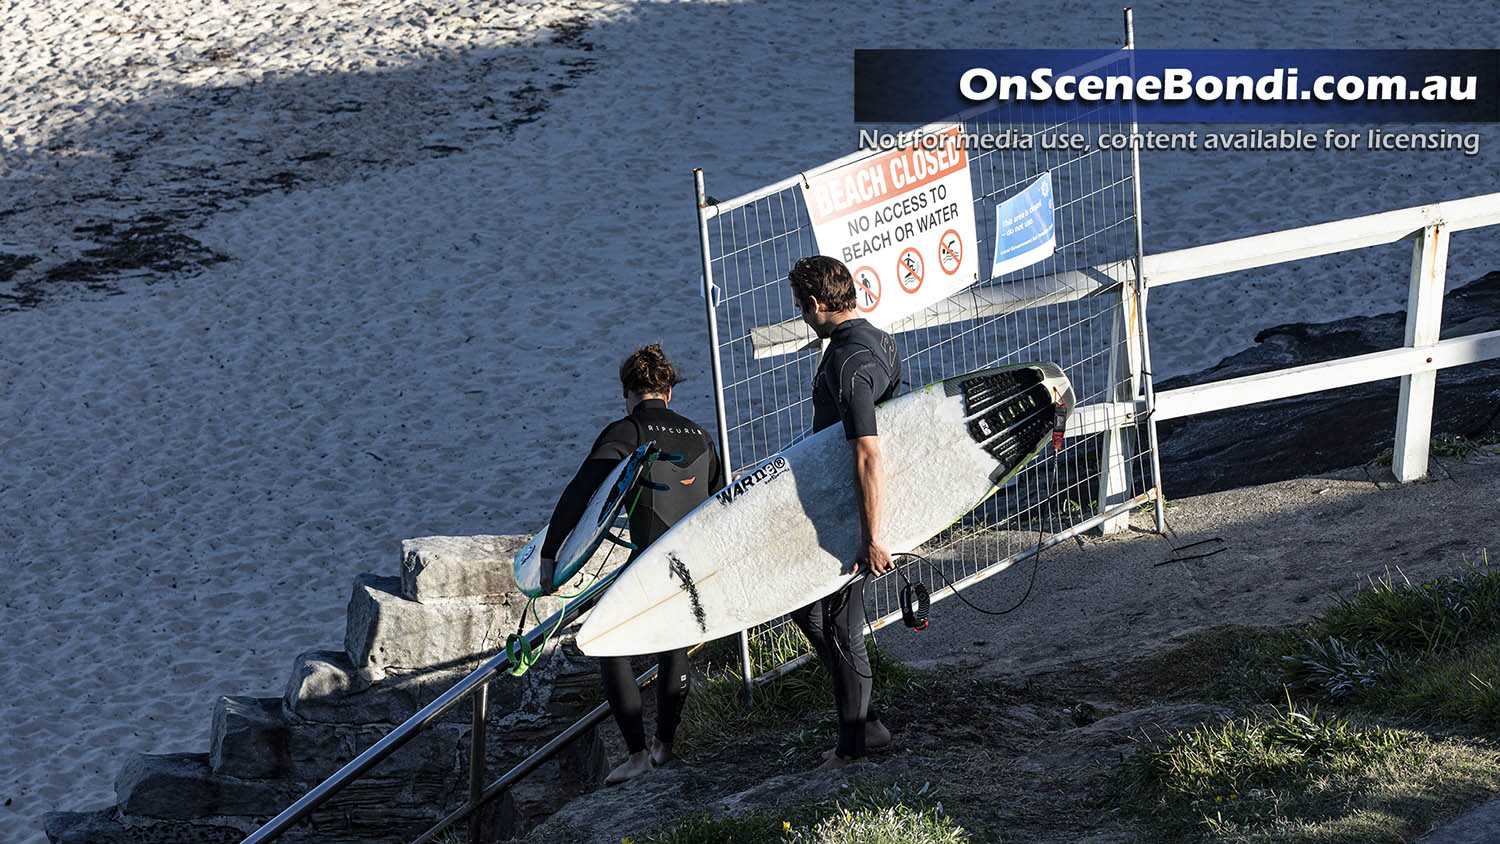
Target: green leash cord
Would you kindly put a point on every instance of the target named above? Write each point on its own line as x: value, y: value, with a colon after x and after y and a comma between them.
x: 518, y: 648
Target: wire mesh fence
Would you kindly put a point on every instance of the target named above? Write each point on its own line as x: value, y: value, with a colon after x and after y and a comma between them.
x: 1072, y: 308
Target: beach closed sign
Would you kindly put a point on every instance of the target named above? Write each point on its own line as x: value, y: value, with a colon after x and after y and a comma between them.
x: 902, y: 221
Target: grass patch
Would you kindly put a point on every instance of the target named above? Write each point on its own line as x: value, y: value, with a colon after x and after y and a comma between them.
x: 1428, y: 650
x: 1290, y: 775
x: 862, y: 813
x: 798, y: 706
x: 1418, y: 619
x: 1455, y: 446
x: 1462, y: 690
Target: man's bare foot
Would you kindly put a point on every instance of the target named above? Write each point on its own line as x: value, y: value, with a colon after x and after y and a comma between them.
x: 876, y: 737
x: 661, y: 752
x: 633, y: 766
x: 835, y: 761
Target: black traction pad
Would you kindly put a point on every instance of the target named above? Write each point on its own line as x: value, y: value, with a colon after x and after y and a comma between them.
x: 1012, y: 413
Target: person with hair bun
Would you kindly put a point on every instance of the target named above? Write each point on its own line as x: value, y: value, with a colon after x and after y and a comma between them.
x: 646, y: 382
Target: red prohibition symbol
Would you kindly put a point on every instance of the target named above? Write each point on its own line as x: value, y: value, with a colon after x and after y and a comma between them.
x: 950, y: 251
x: 909, y: 270
x: 868, y: 291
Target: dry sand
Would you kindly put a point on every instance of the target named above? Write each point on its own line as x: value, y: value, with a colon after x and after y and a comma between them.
x: 417, y: 238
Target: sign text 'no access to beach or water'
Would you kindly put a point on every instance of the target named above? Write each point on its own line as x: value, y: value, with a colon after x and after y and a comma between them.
x: 903, y: 222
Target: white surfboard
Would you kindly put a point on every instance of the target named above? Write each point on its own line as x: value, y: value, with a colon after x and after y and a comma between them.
x: 580, y: 544
x: 786, y: 532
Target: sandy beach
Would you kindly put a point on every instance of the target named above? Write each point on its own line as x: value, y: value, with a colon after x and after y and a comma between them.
x: 286, y: 283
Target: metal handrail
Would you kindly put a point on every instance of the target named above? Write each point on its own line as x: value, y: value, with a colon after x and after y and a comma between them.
x: 526, y: 766
x: 429, y: 714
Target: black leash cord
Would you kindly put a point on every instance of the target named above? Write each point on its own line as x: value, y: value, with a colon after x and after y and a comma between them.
x: 1036, y: 564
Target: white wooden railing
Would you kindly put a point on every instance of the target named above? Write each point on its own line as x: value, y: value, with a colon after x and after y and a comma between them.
x: 1416, y: 362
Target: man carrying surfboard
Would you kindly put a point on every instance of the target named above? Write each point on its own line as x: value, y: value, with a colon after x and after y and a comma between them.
x: 860, y: 368
x: 673, y: 489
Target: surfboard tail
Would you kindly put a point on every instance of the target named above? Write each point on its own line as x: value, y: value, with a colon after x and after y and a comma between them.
x: 1012, y: 412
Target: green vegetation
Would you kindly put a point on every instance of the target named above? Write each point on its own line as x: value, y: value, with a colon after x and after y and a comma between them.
x: 1429, y: 651
x: 862, y: 813
x: 1425, y: 653
x: 1455, y: 446
x: 1290, y: 775
x: 716, y: 714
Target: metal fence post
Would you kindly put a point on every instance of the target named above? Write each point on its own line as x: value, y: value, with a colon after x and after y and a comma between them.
x: 710, y: 305
x: 1424, y: 320
x: 1129, y: 375
x: 1147, y: 379
x: 476, y: 762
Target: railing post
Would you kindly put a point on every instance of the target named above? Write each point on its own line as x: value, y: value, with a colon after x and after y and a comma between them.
x: 1424, y: 321
x: 1124, y: 376
x: 476, y: 763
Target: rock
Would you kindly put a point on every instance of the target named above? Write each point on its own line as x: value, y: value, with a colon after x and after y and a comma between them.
x: 181, y: 786
x: 253, y: 738
x: 459, y: 566
x: 388, y: 633
x: 1321, y: 432
x: 483, y: 567
x: 107, y: 827
x: 325, y: 686
x: 250, y: 738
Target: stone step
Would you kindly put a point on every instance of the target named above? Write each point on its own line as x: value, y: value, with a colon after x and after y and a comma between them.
x: 325, y: 686
x: 183, y: 787
x: 387, y: 633
x: 254, y: 738
x: 434, y: 568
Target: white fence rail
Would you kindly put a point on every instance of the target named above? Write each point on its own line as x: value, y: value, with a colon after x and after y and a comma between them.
x: 1416, y: 363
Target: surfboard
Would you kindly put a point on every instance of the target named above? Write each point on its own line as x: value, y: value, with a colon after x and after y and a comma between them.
x: 785, y: 533
x: 607, y: 501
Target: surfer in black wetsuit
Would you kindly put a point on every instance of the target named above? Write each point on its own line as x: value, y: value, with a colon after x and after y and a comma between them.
x: 859, y: 369
x: 646, y: 379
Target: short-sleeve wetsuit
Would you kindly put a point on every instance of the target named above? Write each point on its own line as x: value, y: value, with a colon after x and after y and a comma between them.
x: 689, y: 481
x: 860, y: 368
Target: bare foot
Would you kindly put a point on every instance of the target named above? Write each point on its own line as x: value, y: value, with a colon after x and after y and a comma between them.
x: 876, y: 737
x: 633, y: 766
x: 661, y: 752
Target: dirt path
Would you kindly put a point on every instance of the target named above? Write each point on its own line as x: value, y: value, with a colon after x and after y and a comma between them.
x: 1287, y: 548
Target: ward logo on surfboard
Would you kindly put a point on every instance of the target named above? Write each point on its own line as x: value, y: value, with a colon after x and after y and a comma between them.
x: 581, y: 543
x: 785, y: 533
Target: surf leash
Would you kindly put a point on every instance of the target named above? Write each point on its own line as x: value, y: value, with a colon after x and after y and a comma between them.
x: 916, y: 599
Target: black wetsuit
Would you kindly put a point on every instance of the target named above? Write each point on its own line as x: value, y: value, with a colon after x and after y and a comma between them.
x: 689, y: 481
x: 860, y: 368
